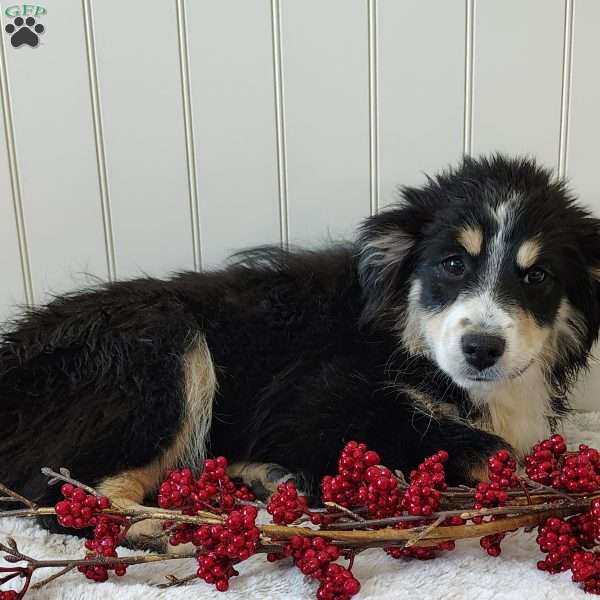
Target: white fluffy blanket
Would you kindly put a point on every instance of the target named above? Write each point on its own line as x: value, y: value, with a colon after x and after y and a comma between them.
x: 467, y: 573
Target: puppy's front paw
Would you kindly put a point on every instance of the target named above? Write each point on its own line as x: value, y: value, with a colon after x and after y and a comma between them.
x: 479, y: 470
x: 263, y: 478
x: 468, y: 462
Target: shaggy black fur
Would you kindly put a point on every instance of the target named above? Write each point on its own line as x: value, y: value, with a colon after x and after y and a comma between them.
x: 304, y: 343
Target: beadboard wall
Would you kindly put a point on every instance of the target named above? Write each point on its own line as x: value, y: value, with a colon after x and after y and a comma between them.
x: 159, y: 135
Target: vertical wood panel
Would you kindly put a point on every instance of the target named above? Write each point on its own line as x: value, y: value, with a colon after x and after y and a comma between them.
x: 421, y: 89
x: 55, y: 150
x: 517, y: 77
x: 584, y: 133
x: 326, y: 90
x: 584, y: 128
x: 11, y: 286
x: 231, y: 69
x: 140, y: 94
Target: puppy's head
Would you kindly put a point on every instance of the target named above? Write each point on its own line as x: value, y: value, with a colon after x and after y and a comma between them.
x: 488, y: 269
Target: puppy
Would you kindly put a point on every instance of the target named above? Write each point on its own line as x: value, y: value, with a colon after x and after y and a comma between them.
x: 457, y: 320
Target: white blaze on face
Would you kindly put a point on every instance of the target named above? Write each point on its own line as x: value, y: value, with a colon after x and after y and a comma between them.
x: 498, y: 246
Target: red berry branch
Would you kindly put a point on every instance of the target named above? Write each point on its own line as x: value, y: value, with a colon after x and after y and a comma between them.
x: 365, y: 506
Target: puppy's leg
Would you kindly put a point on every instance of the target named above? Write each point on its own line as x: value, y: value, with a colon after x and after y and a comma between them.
x: 128, y: 489
x: 468, y: 448
x: 263, y: 478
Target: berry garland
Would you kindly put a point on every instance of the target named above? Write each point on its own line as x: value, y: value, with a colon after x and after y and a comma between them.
x: 366, y: 505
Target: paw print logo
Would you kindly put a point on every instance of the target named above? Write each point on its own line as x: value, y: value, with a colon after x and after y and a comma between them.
x: 24, y: 31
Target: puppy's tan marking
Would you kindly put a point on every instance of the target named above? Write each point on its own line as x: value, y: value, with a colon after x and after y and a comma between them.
x: 480, y: 472
x: 471, y: 239
x: 409, y: 325
x: 200, y: 387
x: 528, y: 253
x: 567, y: 335
x: 531, y: 332
x: 128, y: 489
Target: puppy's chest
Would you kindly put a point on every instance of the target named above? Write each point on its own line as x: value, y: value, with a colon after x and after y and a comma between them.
x: 518, y: 411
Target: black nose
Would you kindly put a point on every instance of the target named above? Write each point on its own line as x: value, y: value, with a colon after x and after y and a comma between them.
x: 481, y: 350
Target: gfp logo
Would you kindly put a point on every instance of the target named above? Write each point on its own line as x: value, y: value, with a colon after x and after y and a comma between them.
x: 24, y: 30
x: 25, y: 10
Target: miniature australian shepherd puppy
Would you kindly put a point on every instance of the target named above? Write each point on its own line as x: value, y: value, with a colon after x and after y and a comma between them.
x: 457, y: 320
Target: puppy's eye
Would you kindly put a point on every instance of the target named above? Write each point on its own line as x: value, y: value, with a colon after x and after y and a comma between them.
x: 534, y: 276
x: 454, y: 265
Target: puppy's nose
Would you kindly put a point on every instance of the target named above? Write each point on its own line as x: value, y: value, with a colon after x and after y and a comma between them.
x: 482, y: 350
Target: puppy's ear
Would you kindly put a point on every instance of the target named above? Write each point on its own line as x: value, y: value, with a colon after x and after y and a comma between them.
x: 590, y: 245
x: 587, y: 242
x: 387, y: 245
x: 583, y: 282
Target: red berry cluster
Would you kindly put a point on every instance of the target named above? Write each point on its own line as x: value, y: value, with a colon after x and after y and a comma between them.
x: 286, y: 506
x: 423, y: 494
x: 594, y: 517
x: 9, y: 595
x: 236, y: 539
x: 542, y: 465
x: 425, y: 553
x: 556, y: 537
x: 501, y: 472
x: 214, y: 480
x: 338, y: 583
x: 585, y: 528
x: 383, y: 495
x: 311, y: 555
x: 180, y: 534
x: 178, y: 490
x: 347, y: 488
x: 585, y: 567
x: 223, y: 545
x: 494, y: 493
x: 78, y: 509
x: 491, y: 543
x: 315, y: 558
x: 580, y: 472
x: 422, y: 497
x: 215, y: 569
x: 214, y: 490
x: 108, y: 534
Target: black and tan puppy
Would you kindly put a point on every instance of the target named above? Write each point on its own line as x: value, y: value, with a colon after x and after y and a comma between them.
x: 457, y: 320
